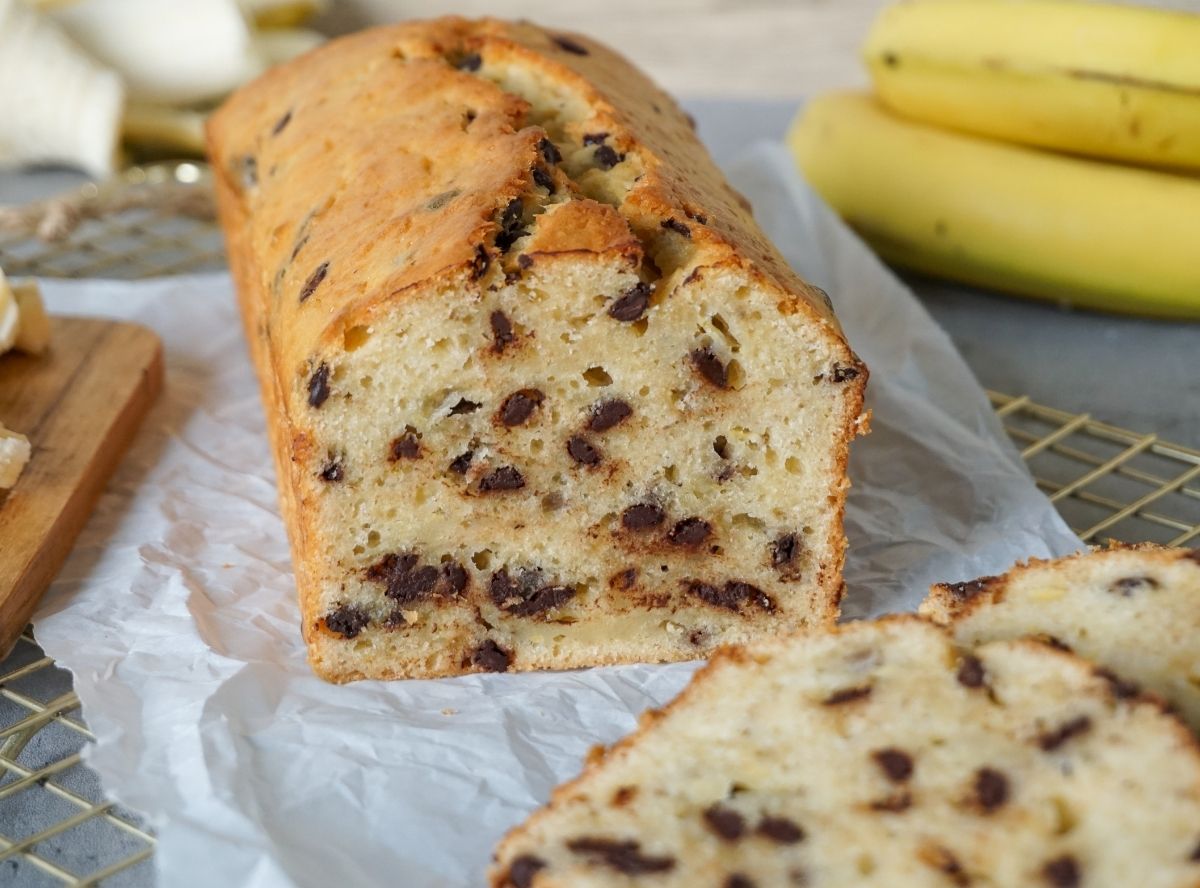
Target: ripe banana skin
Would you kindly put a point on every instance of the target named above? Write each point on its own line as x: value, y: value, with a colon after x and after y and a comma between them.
x: 1035, y: 223
x: 1089, y: 78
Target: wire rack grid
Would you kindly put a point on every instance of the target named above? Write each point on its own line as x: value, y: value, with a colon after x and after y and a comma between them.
x: 1109, y: 483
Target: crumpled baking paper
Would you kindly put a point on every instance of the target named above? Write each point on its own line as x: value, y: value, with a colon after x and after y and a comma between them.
x: 176, y: 612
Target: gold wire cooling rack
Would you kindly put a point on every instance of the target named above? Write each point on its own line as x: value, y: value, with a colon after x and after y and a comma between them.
x: 56, y: 828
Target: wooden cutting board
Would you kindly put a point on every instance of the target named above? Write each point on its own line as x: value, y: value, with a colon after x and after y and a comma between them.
x: 80, y: 405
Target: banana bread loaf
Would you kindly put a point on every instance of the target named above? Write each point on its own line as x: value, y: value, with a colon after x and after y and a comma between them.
x: 540, y: 393
x: 879, y: 754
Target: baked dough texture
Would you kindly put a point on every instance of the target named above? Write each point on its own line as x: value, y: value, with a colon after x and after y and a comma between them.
x: 540, y: 393
x: 1133, y: 609
x: 880, y: 754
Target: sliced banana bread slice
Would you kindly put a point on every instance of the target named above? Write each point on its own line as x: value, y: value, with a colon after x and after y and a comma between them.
x: 879, y: 754
x: 541, y: 394
x: 1134, y: 610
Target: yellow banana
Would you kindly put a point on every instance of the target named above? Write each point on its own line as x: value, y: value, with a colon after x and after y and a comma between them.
x: 1031, y: 222
x: 1089, y: 78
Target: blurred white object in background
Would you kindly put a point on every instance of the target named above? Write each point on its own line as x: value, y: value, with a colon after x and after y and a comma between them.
x: 166, y: 51
x: 56, y: 103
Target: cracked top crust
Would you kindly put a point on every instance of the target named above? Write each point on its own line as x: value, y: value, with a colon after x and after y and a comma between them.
x: 445, y: 147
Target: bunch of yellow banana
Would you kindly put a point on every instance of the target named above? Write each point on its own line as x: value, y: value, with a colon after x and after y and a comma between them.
x: 1044, y: 147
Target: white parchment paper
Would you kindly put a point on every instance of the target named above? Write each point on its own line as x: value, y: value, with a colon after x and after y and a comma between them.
x: 176, y: 611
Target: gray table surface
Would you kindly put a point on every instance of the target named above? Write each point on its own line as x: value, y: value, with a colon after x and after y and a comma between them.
x: 1141, y: 374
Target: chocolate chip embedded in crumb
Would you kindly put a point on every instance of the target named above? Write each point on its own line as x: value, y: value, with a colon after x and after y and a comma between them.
x: 784, y: 550
x: 525, y: 261
x: 594, y: 138
x: 281, y: 123
x: 502, y: 330
x: 896, y: 764
x: 970, y: 588
x: 710, y: 367
x: 314, y: 281
x: 690, y: 532
x: 624, y: 856
x: 944, y: 861
x: 725, y: 822
x: 583, y: 451
x: 464, y: 406
x: 390, y: 566
x: 991, y: 789
x: 731, y: 596
x: 676, y: 226
x: 332, y: 471
x: 571, y: 46
x: 318, y: 386
x: 347, y: 621
x: 480, y: 262
x: 502, y: 587
x: 523, y: 869
x: 413, y: 585
x: 642, y: 516
x: 544, y: 599
x: 543, y: 179
x: 549, y: 151
x: 503, y: 478
x: 893, y: 804
x: 847, y: 695
x: 780, y: 829
x: 608, y: 414
x: 406, y: 446
x: 490, y: 657
x: 469, y: 62
x: 1126, y: 586
x: 1062, y: 872
x: 455, y: 577
x: 519, y: 406
x: 737, y: 880
x: 970, y: 672
x: 631, y: 304
x: 843, y: 373
x: 462, y: 462
x: 1052, y: 740
x: 606, y: 157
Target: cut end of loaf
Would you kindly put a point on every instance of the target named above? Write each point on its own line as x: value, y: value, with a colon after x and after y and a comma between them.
x: 554, y: 402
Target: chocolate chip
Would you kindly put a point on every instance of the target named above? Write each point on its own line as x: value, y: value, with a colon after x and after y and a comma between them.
x: 690, y: 532
x: 642, y: 516
x: 490, y: 657
x: 525, y: 261
x: 970, y: 588
x: 594, y: 138
x: 1062, y: 872
x: 847, y: 695
x: 676, y: 226
x: 511, y: 229
x: 469, y: 62
x: 608, y: 414
x: 725, y: 822
x: 502, y: 587
x: 710, y: 367
x: 1190, y: 554
x: 895, y: 763
x: 318, y: 386
x: 395, y: 620
x: 390, y: 566
x: 970, y: 672
x: 583, y: 451
x: 281, y: 123
x: 991, y: 789
x: 455, y: 577
x: 440, y: 200
x: 479, y: 264
x: 784, y: 550
x: 464, y: 406
x: 893, y: 804
x: 569, y: 45
x: 780, y: 829
x: 1051, y: 740
x: 631, y: 304
x: 502, y: 330
x: 737, y: 880
x: 1126, y: 586
x: 543, y: 179
x: 524, y: 868
x: 549, y: 151
x: 1121, y: 689
x: 606, y: 157
x: 519, y: 406
x: 406, y: 446
x: 623, y: 856
x: 731, y: 596
x: 843, y: 373
x: 314, y: 281
x: 413, y: 585
x: 503, y: 478
x: 944, y: 861
x: 462, y: 462
x: 347, y: 621
x: 332, y: 470
x: 544, y: 599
